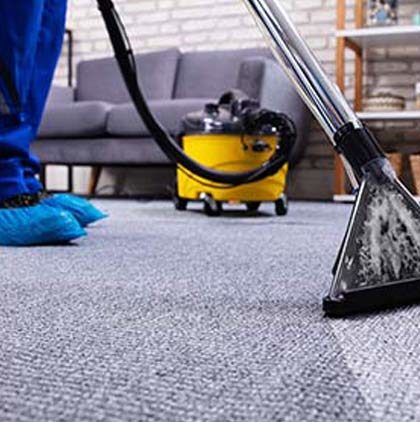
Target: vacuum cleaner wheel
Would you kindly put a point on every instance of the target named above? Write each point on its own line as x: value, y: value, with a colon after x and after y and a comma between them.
x: 253, y: 206
x: 212, y: 208
x: 180, y: 204
x: 282, y: 205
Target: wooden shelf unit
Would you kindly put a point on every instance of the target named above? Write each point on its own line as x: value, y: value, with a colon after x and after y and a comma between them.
x: 357, y: 40
x: 385, y: 36
x: 389, y: 115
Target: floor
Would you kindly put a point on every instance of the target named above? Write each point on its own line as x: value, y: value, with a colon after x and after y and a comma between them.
x: 175, y: 317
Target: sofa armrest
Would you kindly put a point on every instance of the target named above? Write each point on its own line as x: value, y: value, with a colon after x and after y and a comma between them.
x: 264, y: 80
x: 60, y: 95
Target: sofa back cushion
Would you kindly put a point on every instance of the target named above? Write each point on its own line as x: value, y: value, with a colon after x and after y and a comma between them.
x: 124, y: 121
x: 59, y: 95
x: 208, y: 74
x: 101, y: 80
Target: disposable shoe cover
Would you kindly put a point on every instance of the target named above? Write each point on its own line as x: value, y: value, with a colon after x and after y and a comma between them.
x: 82, y: 209
x: 38, y: 225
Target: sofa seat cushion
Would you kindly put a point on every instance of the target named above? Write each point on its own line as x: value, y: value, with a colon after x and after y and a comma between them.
x: 123, y: 120
x: 75, y: 120
x: 101, y: 151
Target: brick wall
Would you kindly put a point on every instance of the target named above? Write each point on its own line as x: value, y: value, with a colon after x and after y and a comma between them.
x: 220, y: 24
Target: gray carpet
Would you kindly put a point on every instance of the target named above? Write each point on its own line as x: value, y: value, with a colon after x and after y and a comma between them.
x: 165, y: 316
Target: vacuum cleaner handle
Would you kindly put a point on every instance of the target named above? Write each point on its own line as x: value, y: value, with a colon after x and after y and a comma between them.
x: 322, y: 96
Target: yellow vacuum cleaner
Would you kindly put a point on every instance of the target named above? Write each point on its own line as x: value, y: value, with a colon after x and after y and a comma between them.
x: 234, y: 135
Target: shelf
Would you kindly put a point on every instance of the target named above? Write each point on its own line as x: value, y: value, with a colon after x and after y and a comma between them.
x: 389, y: 115
x: 358, y: 40
x: 385, y: 36
x: 344, y: 199
x: 351, y: 199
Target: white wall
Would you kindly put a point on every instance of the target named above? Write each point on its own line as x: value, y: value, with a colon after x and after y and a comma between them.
x: 196, y: 25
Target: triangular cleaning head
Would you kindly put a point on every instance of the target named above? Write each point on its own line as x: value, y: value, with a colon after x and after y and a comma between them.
x: 379, y: 264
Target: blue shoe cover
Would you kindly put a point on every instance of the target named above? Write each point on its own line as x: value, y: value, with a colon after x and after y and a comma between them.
x: 84, y: 212
x: 37, y: 225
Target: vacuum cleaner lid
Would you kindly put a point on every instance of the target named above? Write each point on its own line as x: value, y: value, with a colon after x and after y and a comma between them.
x: 235, y: 113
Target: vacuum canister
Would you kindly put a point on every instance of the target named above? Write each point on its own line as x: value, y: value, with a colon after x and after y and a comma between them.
x: 234, y: 135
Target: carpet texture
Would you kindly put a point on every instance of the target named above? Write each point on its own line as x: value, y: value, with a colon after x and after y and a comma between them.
x: 174, y: 317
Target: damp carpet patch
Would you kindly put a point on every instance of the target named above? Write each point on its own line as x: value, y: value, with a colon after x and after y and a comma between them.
x: 174, y: 317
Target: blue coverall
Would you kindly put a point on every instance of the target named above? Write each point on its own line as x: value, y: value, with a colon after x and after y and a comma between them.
x: 31, y: 36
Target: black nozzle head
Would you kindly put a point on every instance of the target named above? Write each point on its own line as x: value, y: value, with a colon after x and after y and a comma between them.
x: 372, y: 299
x: 379, y: 264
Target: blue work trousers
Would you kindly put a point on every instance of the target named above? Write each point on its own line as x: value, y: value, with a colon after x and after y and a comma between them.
x: 31, y: 37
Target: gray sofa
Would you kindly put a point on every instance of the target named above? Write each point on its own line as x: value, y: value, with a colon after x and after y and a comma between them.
x: 96, y: 125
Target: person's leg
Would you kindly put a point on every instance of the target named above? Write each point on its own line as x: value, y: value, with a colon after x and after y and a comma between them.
x: 48, y: 49
x: 21, y: 23
x: 23, y: 220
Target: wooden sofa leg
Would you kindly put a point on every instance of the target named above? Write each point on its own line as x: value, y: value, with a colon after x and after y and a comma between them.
x: 94, y: 179
x: 43, y: 176
x: 70, y: 179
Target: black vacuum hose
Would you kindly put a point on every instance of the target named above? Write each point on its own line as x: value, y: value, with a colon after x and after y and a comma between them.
x: 125, y: 58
